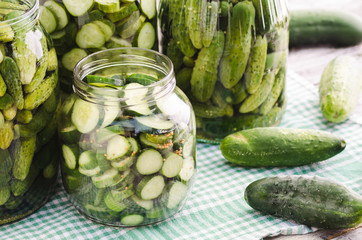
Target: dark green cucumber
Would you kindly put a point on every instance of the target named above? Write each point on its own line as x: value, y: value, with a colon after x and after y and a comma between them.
x: 276, y: 146
x: 23, y: 155
x: 205, y: 110
x: 311, y: 27
x: 264, y: 15
x: 237, y: 44
x: 312, y: 201
x: 174, y: 53
x: 183, y: 78
x: 204, y: 75
x: 339, y: 88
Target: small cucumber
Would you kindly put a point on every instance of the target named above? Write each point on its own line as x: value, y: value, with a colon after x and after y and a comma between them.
x: 195, y: 14
x: 210, y: 23
x: 312, y: 201
x: 23, y: 155
x: 311, y: 27
x: 275, y: 147
x: 339, y: 88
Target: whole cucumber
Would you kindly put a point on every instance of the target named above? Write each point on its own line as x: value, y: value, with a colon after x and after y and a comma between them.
x: 339, y: 88
x: 312, y: 201
x: 311, y: 27
x: 277, y: 146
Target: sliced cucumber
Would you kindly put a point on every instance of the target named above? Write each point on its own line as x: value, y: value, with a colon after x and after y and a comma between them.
x: 115, y: 42
x: 71, y: 58
x: 78, y: 7
x: 167, y: 104
x: 117, y: 147
x: 70, y: 155
x: 172, y: 166
x: 90, y: 36
x: 88, y: 160
x: 154, y: 124
x: 140, y: 78
x: 124, y: 163
x: 146, y: 204
x: 121, y: 194
x: 90, y: 172
x: 146, y: 36
x: 102, y: 161
x: 110, y: 114
x: 149, y: 162
x: 59, y: 13
x: 108, y: 6
x: 150, y: 187
x: 85, y: 116
x: 176, y: 194
x: 188, y: 169
x: 188, y: 146
x: 159, y: 146
x: 125, y: 11
x: 148, y: 7
x: 103, y: 135
x: 114, y: 204
x: 109, y: 178
x: 134, y: 145
x: 101, y: 81
x: 128, y: 27
x: 69, y: 134
x: 132, y: 219
x: 47, y: 19
x: 107, y: 27
x: 135, y: 95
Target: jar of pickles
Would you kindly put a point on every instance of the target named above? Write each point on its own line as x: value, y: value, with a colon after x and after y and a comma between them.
x: 230, y: 59
x: 29, y: 101
x: 81, y: 27
x: 127, y: 138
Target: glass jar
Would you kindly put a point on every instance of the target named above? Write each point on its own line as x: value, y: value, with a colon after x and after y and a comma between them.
x: 29, y: 100
x: 79, y: 28
x: 128, y: 138
x: 230, y: 59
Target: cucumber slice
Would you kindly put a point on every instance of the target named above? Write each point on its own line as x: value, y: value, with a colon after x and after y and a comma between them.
x: 146, y: 204
x: 129, y: 26
x: 146, y: 143
x: 188, y: 169
x: 108, y: 6
x: 177, y: 194
x: 71, y: 58
x: 117, y: 147
x: 90, y: 172
x: 114, y: 204
x: 59, y: 13
x: 78, y: 7
x: 70, y: 155
x: 146, y: 36
x: 154, y: 124
x: 156, y: 212
x: 102, y: 161
x: 110, y: 114
x: 116, y: 42
x: 188, y: 146
x: 148, y: 7
x: 107, y: 27
x: 102, y: 81
x: 103, y: 135
x: 122, y: 194
x: 149, y: 162
x: 124, y: 163
x: 167, y: 105
x: 132, y: 219
x: 141, y: 79
x: 85, y: 116
x: 109, y: 178
x: 47, y: 19
x: 172, y: 166
x: 135, y: 94
x: 125, y: 11
x: 90, y: 36
x: 134, y: 145
x: 88, y: 160
x: 69, y: 134
x: 150, y: 187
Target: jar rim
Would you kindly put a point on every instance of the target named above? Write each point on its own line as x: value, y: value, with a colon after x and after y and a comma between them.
x: 32, y: 14
x: 81, y: 87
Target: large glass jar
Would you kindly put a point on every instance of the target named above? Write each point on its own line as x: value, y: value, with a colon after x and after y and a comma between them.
x: 230, y: 60
x: 29, y: 100
x: 81, y: 27
x: 128, y: 138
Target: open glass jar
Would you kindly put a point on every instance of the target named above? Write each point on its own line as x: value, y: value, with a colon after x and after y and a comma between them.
x: 29, y: 100
x: 128, y: 138
x: 81, y: 27
x: 230, y: 60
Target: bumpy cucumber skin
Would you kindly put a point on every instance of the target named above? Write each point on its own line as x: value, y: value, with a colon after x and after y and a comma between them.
x: 204, y: 75
x: 195, y: 14
x: 175, y: 54
x: 277, y: 147
x: 339, y: 88
x: 210, y: 23
x: 312, y: 201
x: 312, y: 27
x: 255, y: 69
x: 237, y: 44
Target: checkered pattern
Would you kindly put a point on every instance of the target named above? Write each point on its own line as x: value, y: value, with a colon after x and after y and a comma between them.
x: 216, y: 208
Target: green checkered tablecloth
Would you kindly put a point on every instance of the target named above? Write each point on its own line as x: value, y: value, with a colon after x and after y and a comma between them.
x: 215, y: 208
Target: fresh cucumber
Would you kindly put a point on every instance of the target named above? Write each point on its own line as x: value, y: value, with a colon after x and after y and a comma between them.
x: 339, y: 88
x: 90, y: 36
x: 59, y: 13
x: 275, y: 146
x: 108, y: 6
x: 78, y: 7
x: 146, y: 36
x: 124, y: 11
x: 47, y: 19
x: 313, y: 201
x: 311, y: 27
x: 149, y: 162
x: 148, y: 7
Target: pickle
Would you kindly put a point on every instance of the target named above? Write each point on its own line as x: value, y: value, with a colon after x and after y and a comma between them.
x: 275, y: 60
x: 210, y: 23
x: 255, y: 69
x: 4, y: 194
x: 205, y: 110
x: 175, y: 54
x: 204, y: 75
x: 183, y: 78
x: 23, y: 156
x: 237, y: 44
x: 253, y: 101
x: 2, y: 85
x: 195, y: 13
x: 6, y: 135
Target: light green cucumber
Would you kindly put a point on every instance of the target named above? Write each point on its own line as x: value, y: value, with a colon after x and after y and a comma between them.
x: 23, y: 155
x: 195, y: 13
x: 210, y: 23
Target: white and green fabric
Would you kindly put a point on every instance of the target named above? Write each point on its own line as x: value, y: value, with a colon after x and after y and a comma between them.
x: 216, y: 208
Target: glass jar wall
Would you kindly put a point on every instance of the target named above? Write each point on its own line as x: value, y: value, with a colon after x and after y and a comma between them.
x: 29, y: 101
x: 128, y: 138
x: 81, y: 27
x: 230, y: 59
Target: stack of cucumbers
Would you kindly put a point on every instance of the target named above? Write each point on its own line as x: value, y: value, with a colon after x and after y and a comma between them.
x: 229, y: 57
x: 127, y: 162
x: 29, y: 100
x: 80, y: 27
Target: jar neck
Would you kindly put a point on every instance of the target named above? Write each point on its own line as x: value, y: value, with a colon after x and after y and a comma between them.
x: 21, y: 22
x: 123, y: 61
